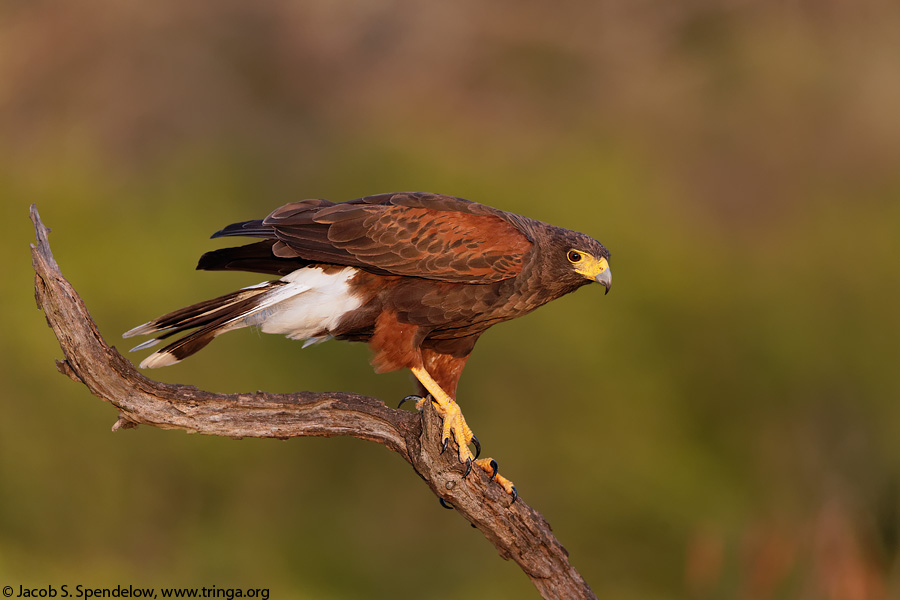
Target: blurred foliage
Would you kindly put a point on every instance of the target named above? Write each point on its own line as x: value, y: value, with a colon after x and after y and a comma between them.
x: 725, y: 424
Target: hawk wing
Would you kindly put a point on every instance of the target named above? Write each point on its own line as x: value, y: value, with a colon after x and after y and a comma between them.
x: 413, y: 235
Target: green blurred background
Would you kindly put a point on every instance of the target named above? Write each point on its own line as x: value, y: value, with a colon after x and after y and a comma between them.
x: 725, y: 424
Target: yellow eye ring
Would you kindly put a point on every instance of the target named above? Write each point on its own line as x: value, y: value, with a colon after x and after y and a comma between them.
x: 574, y: 256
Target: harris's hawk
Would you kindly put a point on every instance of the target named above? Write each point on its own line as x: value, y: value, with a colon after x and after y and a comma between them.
x: 417, y: 276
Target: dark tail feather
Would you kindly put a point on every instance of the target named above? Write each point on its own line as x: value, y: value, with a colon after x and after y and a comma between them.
x: 212, y: 317
x: 194, y: 315
x: 181, y: 349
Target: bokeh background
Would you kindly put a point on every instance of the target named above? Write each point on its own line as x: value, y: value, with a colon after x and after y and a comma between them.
x: 724, y: 424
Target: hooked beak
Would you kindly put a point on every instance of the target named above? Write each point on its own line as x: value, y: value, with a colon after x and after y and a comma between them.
x: 604, y: 278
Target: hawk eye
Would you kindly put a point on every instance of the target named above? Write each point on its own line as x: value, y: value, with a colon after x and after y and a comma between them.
x: 574, y: 256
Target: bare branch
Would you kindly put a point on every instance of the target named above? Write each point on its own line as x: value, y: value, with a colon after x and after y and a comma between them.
x: 517, y: 531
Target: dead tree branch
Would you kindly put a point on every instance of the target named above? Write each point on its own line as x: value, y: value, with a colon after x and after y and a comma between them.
x: 517, y: 531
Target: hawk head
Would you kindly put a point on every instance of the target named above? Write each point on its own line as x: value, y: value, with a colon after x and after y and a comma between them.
x: 578, y: 259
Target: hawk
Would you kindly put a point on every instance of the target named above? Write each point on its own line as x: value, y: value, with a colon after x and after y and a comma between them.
x: 419, y: 277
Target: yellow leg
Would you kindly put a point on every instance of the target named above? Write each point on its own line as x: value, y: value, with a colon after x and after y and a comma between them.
x: 450, y: 413
x: 454, y: 424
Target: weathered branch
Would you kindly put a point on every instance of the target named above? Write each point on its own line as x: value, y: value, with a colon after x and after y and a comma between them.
x: 517, y: 531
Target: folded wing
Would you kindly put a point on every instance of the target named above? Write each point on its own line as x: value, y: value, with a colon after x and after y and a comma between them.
x: 414, y: 235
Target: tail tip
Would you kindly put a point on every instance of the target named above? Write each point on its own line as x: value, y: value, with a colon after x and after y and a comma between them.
x: 159, y: 359
x: 143, y: 329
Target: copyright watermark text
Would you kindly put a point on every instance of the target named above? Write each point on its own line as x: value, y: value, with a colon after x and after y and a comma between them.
x: 130, y: 591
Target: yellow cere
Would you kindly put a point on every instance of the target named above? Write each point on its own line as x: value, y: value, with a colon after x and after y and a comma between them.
x: 586, y: 264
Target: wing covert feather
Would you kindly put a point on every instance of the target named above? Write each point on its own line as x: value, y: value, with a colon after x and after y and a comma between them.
x: 414, y: 235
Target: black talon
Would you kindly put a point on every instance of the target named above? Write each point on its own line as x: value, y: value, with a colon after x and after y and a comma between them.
x: 410, y: 398
x: 515, y: 495
x: 445, y: 445
x: 495, y: 467
x: 477, y: 446
x: 468, y: 468
x: 444, y: 504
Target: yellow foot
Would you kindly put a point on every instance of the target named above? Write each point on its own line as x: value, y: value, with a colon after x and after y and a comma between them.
x: 489, y: 465
x: 453, y: 422
x: 454, y: 425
